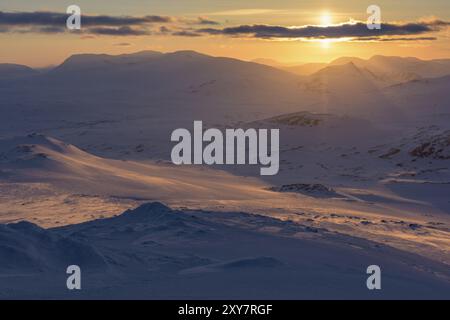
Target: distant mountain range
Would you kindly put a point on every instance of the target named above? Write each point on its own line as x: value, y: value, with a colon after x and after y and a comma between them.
x: 186, y: 85
x: 10, y: 71
x: 382, y: 67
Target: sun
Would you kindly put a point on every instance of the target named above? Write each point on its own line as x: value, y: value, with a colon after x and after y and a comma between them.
x: 325, y: 18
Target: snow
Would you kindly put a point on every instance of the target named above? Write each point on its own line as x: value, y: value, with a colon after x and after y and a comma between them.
x: 142, y: 261
x: 364, y: 179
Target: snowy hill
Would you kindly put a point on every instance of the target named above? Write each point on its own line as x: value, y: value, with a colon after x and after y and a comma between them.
x: 14, y: 71
x: 180, y: 73
x: 37, y: 158
x: 28, y: 249
x: 154, y: 252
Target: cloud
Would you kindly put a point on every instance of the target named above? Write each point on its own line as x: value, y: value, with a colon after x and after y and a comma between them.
x: 45, y: 18
x: 244, y: 12
x: 185, y: 33
x: 206, y: 21
x: 395, y: 39
x: 49, y: 29
x: 197, y: 21
x: 52, y: 22
x: 164, y: 30
x: 345, y: 30
x: 123, y: 44
x: 106, y: 25
x: 121, y: 31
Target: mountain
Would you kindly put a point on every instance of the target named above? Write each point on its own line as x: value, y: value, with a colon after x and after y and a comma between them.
x: 268, y: 62
x: 13, y: 71
x: 383, y: 87
x: 339, y: 78
x: 104, y: 100
x: 385, y: 70
x: 148, y: 94
x: 349, y: 89
x: 305, y: 69
x: 189, y: 71
x: 423, y: 101
x: 184, y: 77
x: 389, y: 70
x: 88, y: 62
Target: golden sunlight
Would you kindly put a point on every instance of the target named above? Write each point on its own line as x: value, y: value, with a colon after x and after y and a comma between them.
x: 325, y: 43
x: 325, y: 18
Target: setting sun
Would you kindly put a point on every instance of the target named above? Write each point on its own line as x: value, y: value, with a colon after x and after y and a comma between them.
x: 325, y: 18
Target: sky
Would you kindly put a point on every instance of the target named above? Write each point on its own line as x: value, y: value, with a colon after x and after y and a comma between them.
x: 34, y: 32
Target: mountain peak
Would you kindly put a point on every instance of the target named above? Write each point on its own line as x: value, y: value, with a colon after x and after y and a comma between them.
x: 146, y: 211
x: 187, y: 54
x: 339, y: 70
x: 392, y: 58
x: 152, y: 207
x: 89, y: 60
x: 346, y: 60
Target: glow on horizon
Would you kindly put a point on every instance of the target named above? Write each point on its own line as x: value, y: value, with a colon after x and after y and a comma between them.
x: 52, y: 49
x: 326, y: 19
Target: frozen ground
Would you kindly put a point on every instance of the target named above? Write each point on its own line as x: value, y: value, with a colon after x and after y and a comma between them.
x: 357, y: 185
x: 157, y: 253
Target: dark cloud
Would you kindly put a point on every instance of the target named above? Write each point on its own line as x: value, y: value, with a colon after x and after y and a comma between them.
x: 55, y: 19
x: 186, y: 33
x: 122, y: 21
x: 358, y: 30
x: 205, y: 21
x: 198, y: 21
x: 164, y: 29
x: 396, y: 39
x: 121, y: 31
x: 87, y: 37
x: 123, y: 44
x: 51, y: 22
x: 50, y: 29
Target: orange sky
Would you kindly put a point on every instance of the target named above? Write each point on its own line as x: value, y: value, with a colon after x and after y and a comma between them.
x: 39, y: 49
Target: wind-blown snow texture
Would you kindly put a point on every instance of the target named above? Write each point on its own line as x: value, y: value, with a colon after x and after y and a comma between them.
x: 156, y: 252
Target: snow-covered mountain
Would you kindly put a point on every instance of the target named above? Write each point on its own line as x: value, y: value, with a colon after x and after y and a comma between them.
x: 363, y: 155
x: 182, y: 74
x: 383, y: 70
x: 306, y: 69
x: 10, y: 71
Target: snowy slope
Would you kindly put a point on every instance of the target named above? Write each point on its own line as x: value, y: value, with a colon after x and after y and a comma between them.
x: 153, y: 252
x: 391, y: 69
x: 10, y: 71
x: 364, y: 155
x: 37, y: 158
